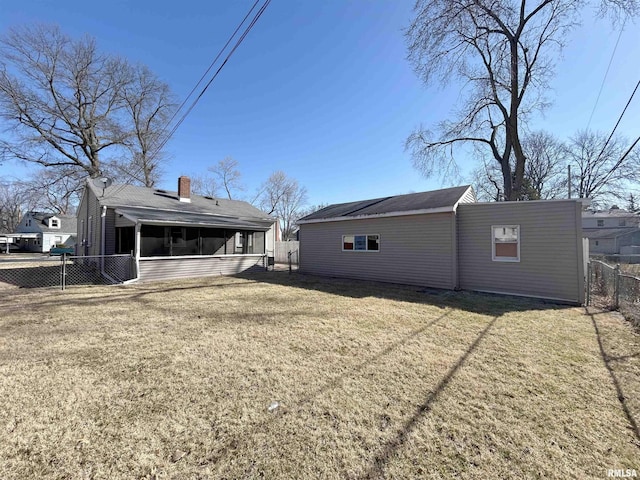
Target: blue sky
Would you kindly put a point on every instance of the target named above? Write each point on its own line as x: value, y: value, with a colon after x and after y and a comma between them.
x: 321, y: 89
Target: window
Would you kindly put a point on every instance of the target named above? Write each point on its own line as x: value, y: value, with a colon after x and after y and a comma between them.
x: 361, y: 243
x: 597, y: 243
x: 54, y: 222
x: 28, y: 222
x: 505, y: 240
x: 125, y: 239
x: 601, y: 223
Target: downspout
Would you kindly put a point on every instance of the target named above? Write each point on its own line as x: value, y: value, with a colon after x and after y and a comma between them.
x: 137, y: 250
x: 103, y: 216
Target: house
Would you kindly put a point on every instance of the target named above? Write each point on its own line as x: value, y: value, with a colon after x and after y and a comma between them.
x: 172, y: 234
x: 40, y: 231
x: 612, y: 232
x: 444, y: 239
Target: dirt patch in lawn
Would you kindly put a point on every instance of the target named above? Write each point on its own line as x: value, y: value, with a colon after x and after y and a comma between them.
x: 287, y: 376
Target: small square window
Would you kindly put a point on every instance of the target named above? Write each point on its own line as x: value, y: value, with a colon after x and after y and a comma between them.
x: 505, y: 243
x: 601, y: 223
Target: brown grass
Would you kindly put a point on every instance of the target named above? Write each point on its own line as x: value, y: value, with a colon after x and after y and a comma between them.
x: 175, y: 380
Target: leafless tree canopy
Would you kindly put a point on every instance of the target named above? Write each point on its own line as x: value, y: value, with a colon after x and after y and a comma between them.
x: 14, y: 202
x: 602, y: 170
x: 502, y: 51
x: 545, y: 168
x: 227, y: 176
x: 69, y: 106
x: 283, y: 197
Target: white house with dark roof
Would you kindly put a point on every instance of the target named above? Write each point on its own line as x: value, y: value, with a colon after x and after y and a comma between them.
x: 173, y: 234
x: 40, y: 231
x: 444, y: 239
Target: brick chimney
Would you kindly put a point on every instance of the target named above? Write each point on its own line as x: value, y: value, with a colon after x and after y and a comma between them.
x: 184, y: 189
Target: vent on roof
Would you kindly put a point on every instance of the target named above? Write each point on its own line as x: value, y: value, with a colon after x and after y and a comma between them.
x: 208, y: 197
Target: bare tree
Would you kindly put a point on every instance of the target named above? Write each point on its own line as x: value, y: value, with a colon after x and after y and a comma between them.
x: 68, y: 106
x: 55, y: 190
x: 15, y: 200
x: 227, y: 176
x: 204, y: 185
x: 545, y: 166
x: 283, y: 197
x: 602, y: 168
x: 487, y: 183
x: 502, y: 51
x: 148, y: 102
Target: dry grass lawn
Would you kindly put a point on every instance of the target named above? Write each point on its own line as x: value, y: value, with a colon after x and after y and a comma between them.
x: 175, y: 380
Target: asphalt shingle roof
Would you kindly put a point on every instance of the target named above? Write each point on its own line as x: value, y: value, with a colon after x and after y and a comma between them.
x: 68, y: 223
x: 135, y: 196
x: 446, y: 197
x: 148, y: 215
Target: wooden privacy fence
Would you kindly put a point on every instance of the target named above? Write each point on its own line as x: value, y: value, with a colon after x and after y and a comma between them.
x: 282, y: 250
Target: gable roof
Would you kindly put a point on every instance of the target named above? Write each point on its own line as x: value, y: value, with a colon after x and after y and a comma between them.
x: 68, y: 223
x: 168, y: 201
x: 444, y: 200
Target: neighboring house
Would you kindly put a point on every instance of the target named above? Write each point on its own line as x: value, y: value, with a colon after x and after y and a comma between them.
x: 614, y: 231
x: 173, y: 234
x: 443, y: 239
x: 39, y: 231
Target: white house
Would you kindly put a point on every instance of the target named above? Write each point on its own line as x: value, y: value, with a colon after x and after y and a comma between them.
x: 39, y: 231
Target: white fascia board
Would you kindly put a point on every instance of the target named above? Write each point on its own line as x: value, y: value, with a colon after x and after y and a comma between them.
x: 455, y: 205
x: 425, y: 211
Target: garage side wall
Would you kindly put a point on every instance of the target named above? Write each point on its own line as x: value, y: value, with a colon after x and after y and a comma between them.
x: 550, y: 263
x: 414, y: 250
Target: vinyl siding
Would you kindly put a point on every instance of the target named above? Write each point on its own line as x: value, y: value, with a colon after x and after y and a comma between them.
x: 414, y: 250
x: 550, y: 249
x: 89, y: 211
x: 176, y: 267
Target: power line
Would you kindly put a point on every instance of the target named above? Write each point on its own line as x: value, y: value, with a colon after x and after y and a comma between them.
x: 257, y: 16
x: 211, y: 65
x: 619, y: 120
x: 240, y: 40
x: 606, y: 74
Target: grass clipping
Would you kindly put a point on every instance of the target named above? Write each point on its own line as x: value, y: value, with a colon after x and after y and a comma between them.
x: 279, y: 376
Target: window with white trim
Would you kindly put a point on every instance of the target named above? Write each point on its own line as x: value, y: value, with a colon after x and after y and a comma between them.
x: 361, y: 243
x: 505, y: 243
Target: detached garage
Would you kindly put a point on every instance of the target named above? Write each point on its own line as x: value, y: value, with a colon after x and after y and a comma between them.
x: 444, y: 239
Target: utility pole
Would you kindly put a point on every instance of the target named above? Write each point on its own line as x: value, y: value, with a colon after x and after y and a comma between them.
x: 569, y: 179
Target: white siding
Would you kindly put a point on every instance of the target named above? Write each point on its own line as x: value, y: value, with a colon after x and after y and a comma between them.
x: 414, y: 250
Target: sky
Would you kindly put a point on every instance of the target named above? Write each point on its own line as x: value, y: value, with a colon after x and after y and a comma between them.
x: 322, y: 90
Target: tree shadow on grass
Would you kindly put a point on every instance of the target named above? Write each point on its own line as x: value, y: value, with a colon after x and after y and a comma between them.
x: 609, y: 362
x: 473, y: 302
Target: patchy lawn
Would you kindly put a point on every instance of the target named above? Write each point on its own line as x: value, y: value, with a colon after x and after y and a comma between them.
x: 175, y: 380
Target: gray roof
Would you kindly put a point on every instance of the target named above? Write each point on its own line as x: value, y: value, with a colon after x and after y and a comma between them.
x: 596, y: 233
x: 168, y: 217
x: 615, y: 213
x: 446, y: 197
x: 168, y: 201
x: 68, y: 223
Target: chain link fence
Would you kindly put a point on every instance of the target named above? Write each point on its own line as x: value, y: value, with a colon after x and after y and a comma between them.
x: 63, y: 271
x: 608, y: 287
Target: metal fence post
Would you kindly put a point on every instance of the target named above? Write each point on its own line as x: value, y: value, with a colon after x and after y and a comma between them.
x: 588, y: 301
x: 63, y: 271
x: 290, y: 262
x: 616, y: 284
